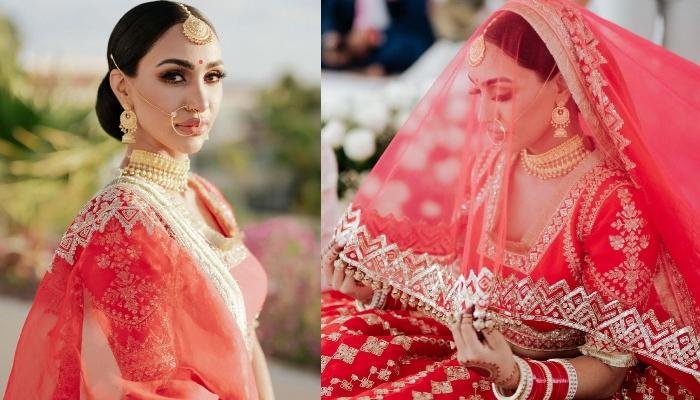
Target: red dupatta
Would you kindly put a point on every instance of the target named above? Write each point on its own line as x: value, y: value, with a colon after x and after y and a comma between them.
x: 134, y: 306
x: 417, y: 222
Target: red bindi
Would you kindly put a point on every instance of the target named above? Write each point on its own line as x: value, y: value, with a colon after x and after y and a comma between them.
x: 201, y: 61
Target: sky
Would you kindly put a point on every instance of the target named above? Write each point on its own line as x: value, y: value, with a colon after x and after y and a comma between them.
x: 260, y: 39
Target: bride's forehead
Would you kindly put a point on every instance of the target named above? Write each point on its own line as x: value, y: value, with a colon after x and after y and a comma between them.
x: 497, y: 64
x: 174, y: 43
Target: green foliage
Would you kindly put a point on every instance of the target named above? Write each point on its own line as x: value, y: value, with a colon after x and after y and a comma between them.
x: 51, y: 156
x: 288, y: 115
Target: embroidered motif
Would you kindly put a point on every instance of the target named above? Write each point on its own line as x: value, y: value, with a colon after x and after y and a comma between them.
x: 630, y: 242
x: 375, y: 346
x: 441, y: 387
x: 457, y: 373
x: 345, y: 353
x: 111, y: 203
x: 526, y: 263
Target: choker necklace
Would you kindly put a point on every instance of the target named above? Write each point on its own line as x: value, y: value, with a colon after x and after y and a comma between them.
x: 162, y: 170
x: 556, y: 162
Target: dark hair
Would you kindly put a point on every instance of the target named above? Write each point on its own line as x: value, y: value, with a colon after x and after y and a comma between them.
x: 130, y: 40
x: 517, y: 38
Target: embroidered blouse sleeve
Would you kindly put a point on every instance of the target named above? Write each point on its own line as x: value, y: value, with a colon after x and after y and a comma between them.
x: 620, y: 253
x: 129, y: 289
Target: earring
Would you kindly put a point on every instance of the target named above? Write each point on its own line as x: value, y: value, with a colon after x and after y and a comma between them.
x: 127, y: 124
x: 560, y: 120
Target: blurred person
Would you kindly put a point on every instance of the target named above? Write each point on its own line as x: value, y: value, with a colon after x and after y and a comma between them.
x: 151, y: 292
x: 680, y: 21
x: 376, y: 37
x: 531, y: 230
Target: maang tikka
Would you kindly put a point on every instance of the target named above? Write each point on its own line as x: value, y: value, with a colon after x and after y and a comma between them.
x: 196, y: 30
x: 478, y: 46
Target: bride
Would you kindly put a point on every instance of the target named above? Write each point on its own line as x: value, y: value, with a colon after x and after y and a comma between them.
x: 151, y: 293
x: 530, y: 233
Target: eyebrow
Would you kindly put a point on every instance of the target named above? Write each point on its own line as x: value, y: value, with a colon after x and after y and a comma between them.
x: 491, y: 81
x: 187, y: 64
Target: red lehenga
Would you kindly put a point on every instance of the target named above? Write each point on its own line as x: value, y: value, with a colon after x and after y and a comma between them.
x: 138, y: 304
x: 610, y: 270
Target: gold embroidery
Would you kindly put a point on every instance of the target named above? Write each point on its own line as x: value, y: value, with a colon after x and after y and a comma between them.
x: 324, y: 362
x: 531, y: 339
x: 527, y: 262
x: 440, y: 387
x: 457, y: 373
x: 171, y: 208
x: 375, y: 346
x: 110, y: 203
x: 345, y: 353
x: 615, y: 359
x: 630, y: 281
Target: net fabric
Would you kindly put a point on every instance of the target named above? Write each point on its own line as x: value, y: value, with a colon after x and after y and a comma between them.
x: 125, y: 312
x: 433, y: 222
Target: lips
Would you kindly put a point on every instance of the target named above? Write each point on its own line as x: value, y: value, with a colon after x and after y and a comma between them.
x: 193, y: 126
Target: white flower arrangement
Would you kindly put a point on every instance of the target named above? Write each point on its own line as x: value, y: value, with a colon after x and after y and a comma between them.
x: 360, y: 126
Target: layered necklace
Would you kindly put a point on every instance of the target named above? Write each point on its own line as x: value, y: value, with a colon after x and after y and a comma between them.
x: 164, y: 171
x: 172, y: 174
x: 556, y: 162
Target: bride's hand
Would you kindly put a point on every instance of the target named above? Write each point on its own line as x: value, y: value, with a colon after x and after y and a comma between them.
x: 490, y: 353
x: 345, y: 283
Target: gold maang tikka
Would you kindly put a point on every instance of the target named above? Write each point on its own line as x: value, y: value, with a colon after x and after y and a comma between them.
x: 478, y: 47
x: 196, y: 30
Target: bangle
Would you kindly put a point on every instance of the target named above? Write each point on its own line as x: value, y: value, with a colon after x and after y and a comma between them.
x: 543, y: 380
x: 571, y: 375
x: 560, y: 379
x: 378, y: 301
x: 524, y: 384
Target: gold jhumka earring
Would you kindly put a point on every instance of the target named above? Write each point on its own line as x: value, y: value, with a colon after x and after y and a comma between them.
x: 127, y: 124
x: 560, y: 120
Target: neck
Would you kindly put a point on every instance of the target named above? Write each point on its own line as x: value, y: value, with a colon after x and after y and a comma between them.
x: 151, y: 148
x: 158, y: 168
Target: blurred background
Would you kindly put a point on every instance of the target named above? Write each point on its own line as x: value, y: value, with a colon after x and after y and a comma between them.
x: 380, y: 56
x: 263, y: 154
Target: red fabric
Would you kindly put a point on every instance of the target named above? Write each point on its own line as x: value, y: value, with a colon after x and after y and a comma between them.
x: 618, y: 259
x: 125, y: 312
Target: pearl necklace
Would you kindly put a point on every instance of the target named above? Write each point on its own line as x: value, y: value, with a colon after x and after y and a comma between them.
x: 162, y: 170
x: 556, y: 162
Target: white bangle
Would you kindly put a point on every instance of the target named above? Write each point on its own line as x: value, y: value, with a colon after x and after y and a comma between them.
x: 378, y: 301
x: 524, y: 384
x: 571, y: 373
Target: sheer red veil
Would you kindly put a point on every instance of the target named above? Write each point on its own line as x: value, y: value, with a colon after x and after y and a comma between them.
x: 418, y: 223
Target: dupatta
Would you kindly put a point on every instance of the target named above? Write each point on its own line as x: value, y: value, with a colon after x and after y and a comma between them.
x: 418, y: 223
x: 136, y: 305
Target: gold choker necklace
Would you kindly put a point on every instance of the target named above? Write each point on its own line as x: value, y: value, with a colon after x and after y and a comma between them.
x: 164, y: 171
x: 556, y: 162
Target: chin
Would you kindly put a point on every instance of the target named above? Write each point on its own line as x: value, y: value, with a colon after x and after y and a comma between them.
x: 191, y: 145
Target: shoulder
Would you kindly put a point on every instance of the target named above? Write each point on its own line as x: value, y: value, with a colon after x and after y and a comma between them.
x: 116, y: 203
x: 600, y: 189
x: 620, y: 243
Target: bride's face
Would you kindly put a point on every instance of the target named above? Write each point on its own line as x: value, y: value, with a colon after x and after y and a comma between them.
x: 175, y: 73
x: 514, y: 95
